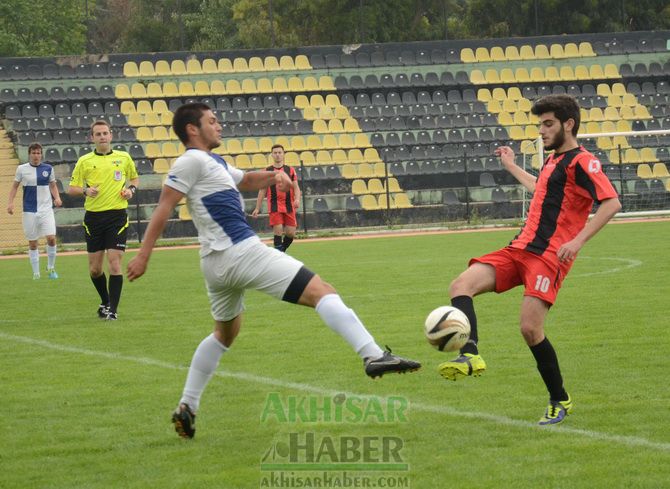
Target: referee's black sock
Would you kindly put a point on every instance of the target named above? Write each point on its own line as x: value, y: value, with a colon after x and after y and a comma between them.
x: 100, y: 283
x: 115, y: 286
x: 465, y: 304
x: 278, y: 242
x: 547, y: 365
x: 286, y: 242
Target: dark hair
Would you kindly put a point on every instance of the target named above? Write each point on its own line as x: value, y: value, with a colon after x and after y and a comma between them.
x: 563, y: 106
x: 35, y: 146
x: 187, y: 114
x: 277, y: 146
x: 100, y: 122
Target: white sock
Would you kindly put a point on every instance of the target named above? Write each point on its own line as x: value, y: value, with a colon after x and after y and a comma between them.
x: 34, y: 260
x: 205, y: 360
x: 51, y: 256
x: 344, y: 322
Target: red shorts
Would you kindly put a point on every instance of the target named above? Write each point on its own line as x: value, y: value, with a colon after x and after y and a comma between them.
x: 287, y: 219
x: 542, y: 276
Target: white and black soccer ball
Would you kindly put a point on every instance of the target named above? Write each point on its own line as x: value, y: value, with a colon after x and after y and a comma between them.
x: 447, y: 328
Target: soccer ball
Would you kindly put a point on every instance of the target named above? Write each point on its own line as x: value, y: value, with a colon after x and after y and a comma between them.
x: 447, y: 328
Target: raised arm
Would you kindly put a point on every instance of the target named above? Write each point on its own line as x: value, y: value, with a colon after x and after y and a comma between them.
x: 506, y: 155
x: 257, y: 180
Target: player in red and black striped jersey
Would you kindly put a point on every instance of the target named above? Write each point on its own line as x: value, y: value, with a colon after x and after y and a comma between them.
x: 282, y: 206
x: 541, y: 255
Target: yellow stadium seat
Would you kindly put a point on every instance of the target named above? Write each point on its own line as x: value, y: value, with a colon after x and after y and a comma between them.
x: 152, y: 150
x: 146, y: 68
x: 505, y: 119
x: 326, y: 83
x: 566, y: 73
x: 259, y: 160
x: 361, y: 140
x: 178, y: 67
x: 161, y: 165
x: 537, y: 74
x: 225, y: 66
x: 170, y: 90
x: 170, y: 150
x: 323, y: 157
x: 626, y: 113
x: 316, y: 101
x: 298, y: 143
x: 386, y: 203
x: 233, y: 87
x: 516, y: 132
x: 641, y: 112
x: 301, y: 101
x: 526, y: 52
x: 243, y: 161
x: 193, y: 67
x: 332, y: 100
x: 218, y: 87
x: 335, y: 126
x: 265, y: 144
x: 326, y: 113
x: 482, y: 55
x: 264, y: 85
x: 309, y: 113
x: 154, y: 90
x: 279, y: 85
x: 184, y: 214
x: 358, y: 187
x: 611, y: 71
x: 604, y: 142
x: 608, y: 126
x: 477, y: 77
x: 551, y: 74
x: 143, y: 107
x: 295, y: 84
x: 596, y: 114
x: 121, y: 91
x: 520, y: 118
x: 308, y: 158
x: 313, y: 142
x: 531, y: 132
x: 542, y: 52
x: 507, y: 75
x: 340, y: 111
x: 524, y: 104
x: 514, y: 93
x: 660, y: 171
x: 468, y: 56
x: 355, y: 156
x: 186, y: 89
x: 291, y: 157
x: 249, y: 145
x: 249, y: 86
x: 234, y: 146
x: 491, y: 76
x: 571, y: 50
x: 582, y: 73
x: 330, y: 141
x: 619, y: 89
x: 375, y: 186
x: 130, y: 69
x: 209, y: 66
x: 302, y: 63
x: 160, y: 133
x: 610, y: 114
x: 339, y: 157
x: 629, y: 99
x: 240, y: 65
x: 521, y: 75
x: 286, y: 63
x: 135, y: 119
x: 270, y: 63
x: 497, y: 54
x: 648, y: 155
x: 351, y: 125
x: 512, y: 53
x: 402, y: 201
x: 379, y: 169
x: 596, y: 72
x: 138, y: 90
x: 201, y: 88
x: 144, y: 134
x: 483, y: 94
x: 585, y: 49
x: 631, y: 155
x: 256, y: 64
x: 369, y: 202
x: 535, y: 161
x: 556, y: 51
x: 603, y: 89
x: 370, y: 155
x: 509, y: 105
x: 310, y: 84
x: 346, y: 141
x: 349, y: 171
x: 394, y: 186
x: 162, y: 68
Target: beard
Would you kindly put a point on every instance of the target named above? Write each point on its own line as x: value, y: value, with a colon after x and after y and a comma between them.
x: 559, y: 139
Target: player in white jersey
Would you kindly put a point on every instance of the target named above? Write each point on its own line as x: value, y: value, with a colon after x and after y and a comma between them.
x: 234, y: 259
x: 39, y: 186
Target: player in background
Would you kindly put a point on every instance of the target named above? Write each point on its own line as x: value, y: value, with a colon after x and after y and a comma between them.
x: 39, y: 187
x: 282, y: 206
x: 233, y: 258
x: 541, y: 255
x: 108, y: 179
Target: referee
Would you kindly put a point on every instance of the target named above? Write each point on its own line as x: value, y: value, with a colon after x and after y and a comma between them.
x: 108, y: 179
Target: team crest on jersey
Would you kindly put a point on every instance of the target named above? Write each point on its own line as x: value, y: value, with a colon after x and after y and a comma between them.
x: 117, y: 162
x: 118, y: 175
x: 45, y: 173
x: 594, y: 166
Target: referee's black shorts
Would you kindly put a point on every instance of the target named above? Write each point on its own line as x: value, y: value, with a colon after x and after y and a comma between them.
x: 106, y: 230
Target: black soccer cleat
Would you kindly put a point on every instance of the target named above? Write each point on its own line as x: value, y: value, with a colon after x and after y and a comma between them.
x: 184, y: 421
x: 111, y: 316
x: 103, y: 310
x: 389, y: 362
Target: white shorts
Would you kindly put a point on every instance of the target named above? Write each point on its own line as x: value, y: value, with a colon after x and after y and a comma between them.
x: 38, y: 224
x: 246, y: 265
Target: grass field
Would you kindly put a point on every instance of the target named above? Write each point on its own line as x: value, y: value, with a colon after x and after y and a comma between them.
x: 87, y: 403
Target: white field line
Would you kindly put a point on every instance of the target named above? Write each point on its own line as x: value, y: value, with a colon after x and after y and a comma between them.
x: 416, y: 406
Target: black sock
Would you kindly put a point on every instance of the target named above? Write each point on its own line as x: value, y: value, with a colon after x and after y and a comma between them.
x: 286, y: 242
x: 115, y: 286
x: 278, y: 243
x: 100, y: 283
x: 464, y: 303
x: 547, y: 365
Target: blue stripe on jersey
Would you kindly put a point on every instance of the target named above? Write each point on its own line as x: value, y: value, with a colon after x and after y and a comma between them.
x: 219, y: 159
x: 29, y: 198
x: 41, y: 170
x: 225, y: 208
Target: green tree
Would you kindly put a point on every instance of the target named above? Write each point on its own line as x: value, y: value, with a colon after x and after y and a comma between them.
x: 42, y: 27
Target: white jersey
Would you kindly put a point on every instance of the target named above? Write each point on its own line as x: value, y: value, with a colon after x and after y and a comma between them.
x: 214, y: 202
x: 35, y: 181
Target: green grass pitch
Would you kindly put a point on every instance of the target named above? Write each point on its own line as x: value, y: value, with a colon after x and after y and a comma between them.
x: 86, y: 404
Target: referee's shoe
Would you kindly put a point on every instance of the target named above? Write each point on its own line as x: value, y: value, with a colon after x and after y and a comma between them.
x: 388, y: 362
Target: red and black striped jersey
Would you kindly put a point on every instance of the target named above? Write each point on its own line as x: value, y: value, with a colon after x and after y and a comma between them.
x: 566, y: 188
x: 279, y: 201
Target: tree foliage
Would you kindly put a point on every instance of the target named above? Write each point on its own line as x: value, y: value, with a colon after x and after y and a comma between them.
x: 44, y: 27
